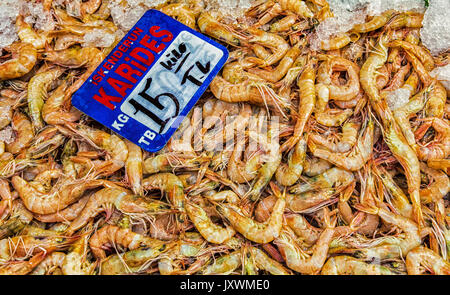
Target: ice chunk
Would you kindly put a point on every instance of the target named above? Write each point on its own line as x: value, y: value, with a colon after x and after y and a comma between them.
x: 435, y: 33
x: 398, y: 98
x: 232, y: 9
x: 7, y: 135
x: 9, y: 10
x: 126, y: 13
x: 99, y: 38
x: 443, y: 75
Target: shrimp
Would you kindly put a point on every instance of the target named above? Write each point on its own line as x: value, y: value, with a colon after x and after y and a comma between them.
x: 337, y: 42
x: 311, y: 199
x: 112, y: 144
x: 276, y: 43
x: 6, y: 111
x: 25, y: 245
x: 422, y: 54
x: 50, y: 265
x: 315, y: 166
x: 302, y: 228
x: 24, y: 57
x: 348, y: 139
x: 406, y: 19
x: 75, y: 262
x: 306, y: 84
x: 24, y: 133
x: 181, y: 12
x: 210, y: 26
x: 210, y: 231
x: 394, y: 246
x: 347, y: 265
x: 436, y: 190
x: 263, y: 261
x: 257, y: 232
x: 37, y: 92
x: 225, y: 264
x: 436, y: 101
x: 375, y: 23
x: 76, y: 57
x: 288, y: 174
x: 298, y: 7
x: 339, y: 92
x: 296, y: 258
x: 277, y: 73
x: 440, y: 149
x: 169, y: 183
x: 28, y: 35
x: 421, y: 259
x: 61, y: 195
x: 53, y: 112
x: 108, y: 198
x: 110, y: 234
x: 133, y: 167
x: 255, y: 92
x: 356, y: 158
x: 64, y: 215
x: 332, y: 177
x: 403, y: 113
x: 89, y: 7
x: 22, y: 267
x: 270, y: 166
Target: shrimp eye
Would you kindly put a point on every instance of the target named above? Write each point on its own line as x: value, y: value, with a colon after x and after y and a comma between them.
x: 163, y: 247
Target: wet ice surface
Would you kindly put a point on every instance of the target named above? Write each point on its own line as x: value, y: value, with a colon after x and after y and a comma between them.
x: 398, y: 98
x: 7, y: 135
x: 435, y: 33
x: 9, y: 10
x: 443, y: 75
x: 98, y: 38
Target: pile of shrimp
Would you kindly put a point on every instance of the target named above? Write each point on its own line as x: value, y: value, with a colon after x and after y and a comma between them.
x: 351, y: 178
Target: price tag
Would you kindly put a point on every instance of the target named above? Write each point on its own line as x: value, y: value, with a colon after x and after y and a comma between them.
x: 151, y: 80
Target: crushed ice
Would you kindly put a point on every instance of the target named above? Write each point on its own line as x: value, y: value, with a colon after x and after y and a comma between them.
x: 435, y: 33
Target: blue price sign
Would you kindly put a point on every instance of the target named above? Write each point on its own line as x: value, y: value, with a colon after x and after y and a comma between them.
x: 151, y: 80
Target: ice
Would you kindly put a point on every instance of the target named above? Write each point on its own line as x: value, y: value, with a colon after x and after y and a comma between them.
x: 398, y: 98
x: 7, y: 135
x: 9, y: 10
x: 36, y: 16
x: 443, y: 75
x: 435, y: 33
x: 347, y: 13
x: 126, y: 14
x: 99, y: 38
x: 230, y: 9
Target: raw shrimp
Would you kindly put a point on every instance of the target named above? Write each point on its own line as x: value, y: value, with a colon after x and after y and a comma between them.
x: 276, y: 43
x: 110, y: 198
x: 24, y: 133
x: 169, y: 183
x: 133, y: 167
x: 348, y: 139
x: 24, y: 57
x: 110, y: 234
x: 254, y: 231
x: 50, y: 265
x: 347, y: 265
x: 406, y: 19
x: 210, y: 231
x: 181, y: 12
x: 22, y: 267
x: 295, y: 256
x: 339, y: 92
x: 306, y: 84
x: 263, y: 261
x: 440, y: 148
x: 421, y: 259
x: 28, y: 35
x: 53, y: 111
x: 356, y: 158
x: 37, y: 93
x: 210, y: 26
x: 375, y: 23
x: 64, y: 193
x: 64, y: 215
x: 332, y: 177
x: 288, y: 174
